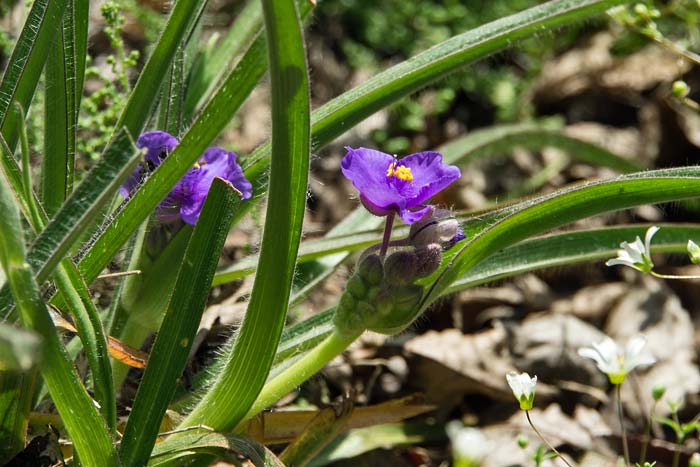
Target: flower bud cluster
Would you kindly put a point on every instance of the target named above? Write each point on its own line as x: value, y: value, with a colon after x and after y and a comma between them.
x: 382, y: 296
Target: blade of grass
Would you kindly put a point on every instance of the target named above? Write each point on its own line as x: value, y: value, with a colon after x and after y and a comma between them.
x: 61, y: 107
x: 86, y: 428
x: 25, y: 65
x: 568, y: 248
x: 87, y: 321
x: 212, y: 65
x: 501, y: 139
x: 172, y: 345
x: 253, y: 351
x: 559, y: 208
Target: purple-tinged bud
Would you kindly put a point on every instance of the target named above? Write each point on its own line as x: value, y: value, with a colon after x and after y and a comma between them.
x: 400, y: 268
x: 429, y: 258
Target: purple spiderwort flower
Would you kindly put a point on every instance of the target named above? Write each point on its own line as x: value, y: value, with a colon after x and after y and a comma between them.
x: 186, y: 199
x: 389, y: 185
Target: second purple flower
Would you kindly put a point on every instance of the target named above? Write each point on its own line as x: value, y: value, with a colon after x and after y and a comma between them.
x: 186, y: 199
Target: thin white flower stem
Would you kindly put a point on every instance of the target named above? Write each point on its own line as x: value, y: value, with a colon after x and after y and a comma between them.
x: 554, y: 450
x: 387, y: 234
x: 671, y: 276
x: 623, y: 432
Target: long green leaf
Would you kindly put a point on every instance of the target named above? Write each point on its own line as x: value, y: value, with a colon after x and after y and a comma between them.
x: 212, y: 65
x: 227, y: 401
x: 25, y: 64
x: 568, y: 248
x: 172, y: 345
x: 86, y: 428
x: 89, y: 325
x: 60, y: 116
x: 502, y: 139
x: 559, y: 208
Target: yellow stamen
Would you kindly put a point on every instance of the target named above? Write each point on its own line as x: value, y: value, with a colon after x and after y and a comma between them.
x: 199, y: 164
x: 401, y: 172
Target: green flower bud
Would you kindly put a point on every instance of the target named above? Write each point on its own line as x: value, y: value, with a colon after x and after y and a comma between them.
x: 346, y: 319
x: 371, y: 270
x: 356, y: 287
x: 680, y: 89
x: 522, y: 442
x: 396, y: 307
x: 693, y: 252
x: 400, y: 268
x: 657, y: 392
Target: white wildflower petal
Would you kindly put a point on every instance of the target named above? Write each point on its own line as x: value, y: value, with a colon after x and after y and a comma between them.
x: 615, y: 362
x: 467, y: 443
x: 621, y: 262
x: 647, y: 238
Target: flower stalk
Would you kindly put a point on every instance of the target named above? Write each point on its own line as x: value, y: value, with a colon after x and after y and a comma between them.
x: 387, y: 234
x: 623, y: 431
x: 554, y: 450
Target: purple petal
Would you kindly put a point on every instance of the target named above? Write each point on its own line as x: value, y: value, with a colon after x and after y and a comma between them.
x: 409, y: 217
x: 430, y: 176
x: 158, y: 143
x: 192, y: 190
x: 132, y: 181
x: 366, y: 169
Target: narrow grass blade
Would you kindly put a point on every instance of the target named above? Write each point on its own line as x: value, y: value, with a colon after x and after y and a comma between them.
x: 569, y: 248
x: 60, y: 116
x: 534, y: 216
x: 85, y: 426
x: 212, y: 65
x: 78, y: 213
x: 25, y: 64
x: 87, y: 321
x: 254, y: 349
x: 16, y: 392
x: 502, y: 139
x: 172, y: 345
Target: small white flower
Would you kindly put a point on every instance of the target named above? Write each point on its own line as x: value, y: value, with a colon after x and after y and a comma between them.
x: 636, y: 255
x: 523, y: 388
x: 616, y: 362
x: 469, y: 445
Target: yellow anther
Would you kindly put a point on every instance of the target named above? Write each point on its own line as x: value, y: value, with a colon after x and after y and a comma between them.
x: 401, y: 172
x: 199, y: 164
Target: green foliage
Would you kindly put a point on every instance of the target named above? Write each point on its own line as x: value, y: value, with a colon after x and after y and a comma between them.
x: 101, y: 109
x: 374, y: 31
